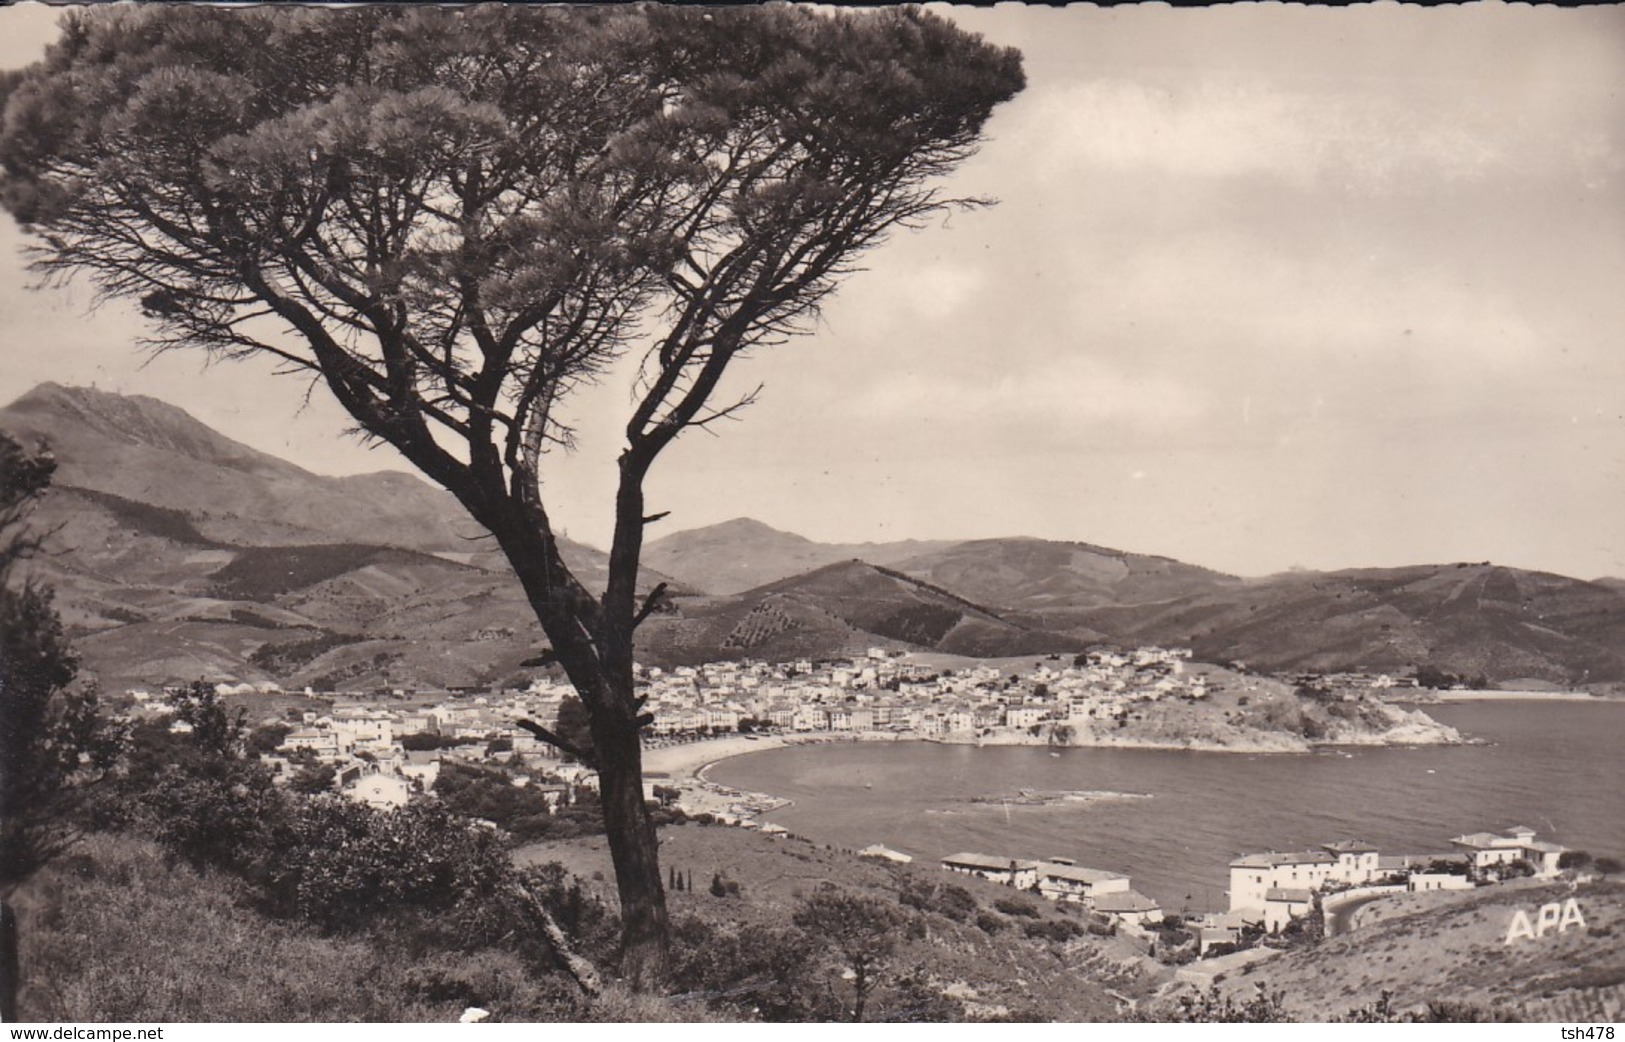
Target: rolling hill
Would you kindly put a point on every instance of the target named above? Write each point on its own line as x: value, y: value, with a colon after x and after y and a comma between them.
x: 742, y: 554
x: 840, y: 609
x: 1468, y: 619
x: 181, y: 553
x: 1052, y: 582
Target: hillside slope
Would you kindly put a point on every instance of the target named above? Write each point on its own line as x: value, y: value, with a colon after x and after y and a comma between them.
x: 742, y: 554
x: 1056, y: 581
x: 1452, y: 947
x: 181, y: 552
x: 178, y: 553
x: 1469, y: 619
x: 839, y: 609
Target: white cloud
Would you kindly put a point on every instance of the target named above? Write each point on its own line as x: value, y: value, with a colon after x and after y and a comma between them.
x: 1070, y: 394
x: 1233, y: 127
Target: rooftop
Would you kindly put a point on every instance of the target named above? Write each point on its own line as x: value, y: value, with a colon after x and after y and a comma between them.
x: 1125, y: 901
x: 986, y: 861
x: 1286, y: 894
x: 1273, y: 859
x: 1484, y: 840
x: 1052, y: 870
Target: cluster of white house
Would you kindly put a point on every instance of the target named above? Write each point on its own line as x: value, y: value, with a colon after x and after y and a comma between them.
x: 362, y: 742
x: 1275, y: 888
x: 361, y: 738
x: 1270, y: 890
x: 882, y: 693
x: 1063, y: 880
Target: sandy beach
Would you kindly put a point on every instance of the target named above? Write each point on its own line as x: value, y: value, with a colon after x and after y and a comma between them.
x: 683, y: 762
x: 683, y: 767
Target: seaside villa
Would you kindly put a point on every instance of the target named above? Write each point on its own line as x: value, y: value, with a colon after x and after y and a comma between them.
x: 1487, y: 851
x: 1273, y: 888
x: 1254, y: 876
x: 1008, y: 871
x: 1281, y: 906
x: 1128, y: 906
x: 1062, y: 882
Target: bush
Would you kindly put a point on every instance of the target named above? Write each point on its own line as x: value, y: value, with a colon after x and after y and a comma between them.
x: 752, y: 968
x: 219, y: 813
x: 945, y: 899
x: 1016, y: 907
x: 1059, y: 930
x: 989, y: 923
x: 858, y: 931
x: 343, y: 865
x: 1210, y: 1007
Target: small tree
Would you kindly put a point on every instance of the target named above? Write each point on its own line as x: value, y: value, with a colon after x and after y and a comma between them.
x: 454, y: 219
x: 268, y: 738
x: 860, y: 931
x: 215, y: 729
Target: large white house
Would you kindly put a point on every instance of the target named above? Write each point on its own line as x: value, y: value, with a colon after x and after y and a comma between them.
x: 1128, y: 906
x: 1487, y: 851
x: 1282, y: 905
x: 1254, y: 876
x: 1076, y: 885
x: 1009, y: 871
x: 1357, y: 861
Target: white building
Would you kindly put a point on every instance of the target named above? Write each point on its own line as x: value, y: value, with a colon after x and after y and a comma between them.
x: 383, y: 791
x: 1008, y: 871
x: 1357, y: 862
x: 1254, y: 876
x: 1282, y: 905
x: 1062, y: 882
x: 1488, y: 851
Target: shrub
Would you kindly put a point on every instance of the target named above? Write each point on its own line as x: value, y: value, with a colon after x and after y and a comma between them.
x: 1053, y: 930
x: 945, y: 899
x: 165, y: 934
x: 1016, y: 907
x: 1210, y: 1007
x: 343, y: 865
x: 989, y: 923
x: 751, y: 967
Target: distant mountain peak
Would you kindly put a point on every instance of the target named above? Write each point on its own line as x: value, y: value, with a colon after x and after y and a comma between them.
x: 136, y: 419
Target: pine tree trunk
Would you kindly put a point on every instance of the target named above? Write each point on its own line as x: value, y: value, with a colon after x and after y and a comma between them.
x: 10, y: 964
x: 634, y: 848
x: 594, y: 645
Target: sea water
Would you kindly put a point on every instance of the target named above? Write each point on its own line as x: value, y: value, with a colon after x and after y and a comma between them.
x: 1556, y: 767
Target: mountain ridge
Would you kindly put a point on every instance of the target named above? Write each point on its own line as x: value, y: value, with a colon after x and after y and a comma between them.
x: 194, y: 554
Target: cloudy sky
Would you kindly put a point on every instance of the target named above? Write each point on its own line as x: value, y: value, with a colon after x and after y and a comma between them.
x: 1266, y: 287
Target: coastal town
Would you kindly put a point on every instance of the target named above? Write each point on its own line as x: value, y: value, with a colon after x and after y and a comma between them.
x: 385, y: 745
x: 386, y: 748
